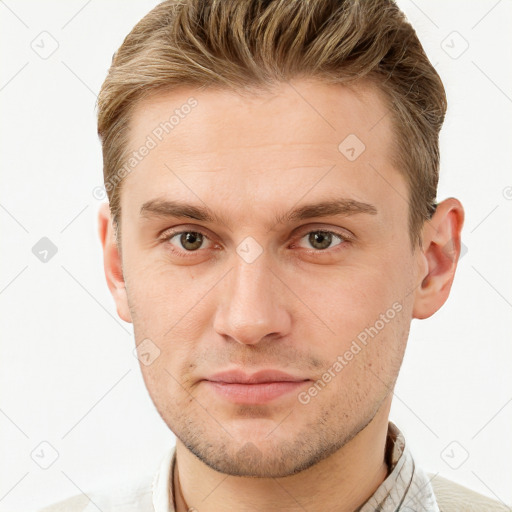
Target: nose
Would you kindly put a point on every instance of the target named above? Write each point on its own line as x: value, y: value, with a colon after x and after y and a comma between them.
x: 252, y: 304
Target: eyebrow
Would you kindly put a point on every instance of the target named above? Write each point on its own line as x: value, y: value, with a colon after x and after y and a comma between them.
x: 179, y: 209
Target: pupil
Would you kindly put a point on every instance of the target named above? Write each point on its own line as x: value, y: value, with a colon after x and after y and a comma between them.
x: 324, y: 239
x: 191, y: 240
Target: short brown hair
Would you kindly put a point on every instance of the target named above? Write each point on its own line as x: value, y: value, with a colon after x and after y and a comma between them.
x: 242, y: 44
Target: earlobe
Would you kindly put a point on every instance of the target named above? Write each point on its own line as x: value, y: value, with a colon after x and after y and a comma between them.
x: 439, y: 254
x: 112, y: 263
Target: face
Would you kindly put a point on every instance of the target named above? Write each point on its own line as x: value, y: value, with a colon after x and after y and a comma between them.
x: 295, y: 258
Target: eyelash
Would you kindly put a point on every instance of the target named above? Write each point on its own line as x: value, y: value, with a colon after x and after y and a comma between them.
x: 345, y: 239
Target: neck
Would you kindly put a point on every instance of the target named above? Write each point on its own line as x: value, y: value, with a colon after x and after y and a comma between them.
x: 341, y: 482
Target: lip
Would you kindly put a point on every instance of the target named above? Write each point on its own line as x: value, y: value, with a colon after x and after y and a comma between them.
x: 256, y: 388
x: 240, y: 377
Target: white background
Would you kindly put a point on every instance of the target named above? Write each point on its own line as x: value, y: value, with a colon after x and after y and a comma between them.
x: 68, y: 375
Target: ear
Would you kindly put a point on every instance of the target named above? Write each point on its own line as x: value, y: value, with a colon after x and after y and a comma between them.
x: 439, y: 256
x: 112, y: 263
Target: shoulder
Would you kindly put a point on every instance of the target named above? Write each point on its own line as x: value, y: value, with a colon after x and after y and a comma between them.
x: 133, y: 495
x: 76, y: 503
x: 451, y: 495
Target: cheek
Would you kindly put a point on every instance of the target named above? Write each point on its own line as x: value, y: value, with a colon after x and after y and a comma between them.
x: 159, y: 292
x: 355, y: 298
x: 366, y: 309
x: 364, y: 360
x: 166, y: 393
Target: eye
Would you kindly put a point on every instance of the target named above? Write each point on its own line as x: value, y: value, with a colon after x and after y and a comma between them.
x: 321, y: 240
x: 188, y: 241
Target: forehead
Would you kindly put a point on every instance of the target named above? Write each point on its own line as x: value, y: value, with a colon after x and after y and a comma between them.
x: 301, y: 111
x: 271, y: 146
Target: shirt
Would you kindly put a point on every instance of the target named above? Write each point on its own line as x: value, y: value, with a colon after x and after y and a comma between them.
x: 406, y: 488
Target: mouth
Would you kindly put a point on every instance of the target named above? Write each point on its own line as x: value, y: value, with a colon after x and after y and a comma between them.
x: 258, y: 388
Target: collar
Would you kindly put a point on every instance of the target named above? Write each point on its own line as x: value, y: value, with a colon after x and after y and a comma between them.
x: 407, y: 487
x: 162, y: 487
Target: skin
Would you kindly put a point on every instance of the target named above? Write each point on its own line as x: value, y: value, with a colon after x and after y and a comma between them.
x: 295, y: 308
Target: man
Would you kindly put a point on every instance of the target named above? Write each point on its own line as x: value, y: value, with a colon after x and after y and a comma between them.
x: 272, y: 229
